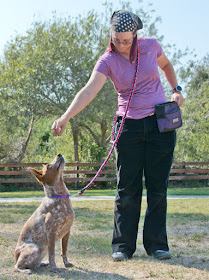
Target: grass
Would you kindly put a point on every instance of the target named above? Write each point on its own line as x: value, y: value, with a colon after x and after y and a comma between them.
x: 90, y: 243
x: 108, y: 192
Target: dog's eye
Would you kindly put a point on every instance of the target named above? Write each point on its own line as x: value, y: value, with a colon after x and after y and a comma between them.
x: 48, y: 166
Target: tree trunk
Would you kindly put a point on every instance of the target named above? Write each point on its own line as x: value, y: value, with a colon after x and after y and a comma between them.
x: 99, y: 141
x: 25, y: 144
x: 75, y: 130
x: 103, y: 135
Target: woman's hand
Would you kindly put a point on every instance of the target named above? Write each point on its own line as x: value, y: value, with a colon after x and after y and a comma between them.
x: 178, y: 98
x: 59, y: 126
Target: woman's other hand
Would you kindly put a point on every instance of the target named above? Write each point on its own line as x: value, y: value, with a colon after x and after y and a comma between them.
x: 178, y: 98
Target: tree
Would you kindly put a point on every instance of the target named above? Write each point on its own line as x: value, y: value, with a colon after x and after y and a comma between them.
x: 194, y: 135
x: 41, y: 72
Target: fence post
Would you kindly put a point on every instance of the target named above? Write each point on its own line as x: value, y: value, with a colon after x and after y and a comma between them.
x: 184, y: 182
x: 77, y: 176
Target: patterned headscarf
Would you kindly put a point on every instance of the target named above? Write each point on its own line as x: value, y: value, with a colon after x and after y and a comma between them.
x: 124, y: 21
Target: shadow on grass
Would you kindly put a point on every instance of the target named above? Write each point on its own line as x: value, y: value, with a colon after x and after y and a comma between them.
x: 78, y: 273
x: 200, y: 263
x: 186, y: 218
x: 192, y: 262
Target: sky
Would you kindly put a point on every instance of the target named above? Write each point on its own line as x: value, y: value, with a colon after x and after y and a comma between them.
x: 184, y: 22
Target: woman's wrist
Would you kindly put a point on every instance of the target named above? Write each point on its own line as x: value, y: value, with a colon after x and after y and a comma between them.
x: 65, y: 118
x: 176, y: 91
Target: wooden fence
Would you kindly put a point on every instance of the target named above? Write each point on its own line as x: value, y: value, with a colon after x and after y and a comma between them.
x: 83, y: 172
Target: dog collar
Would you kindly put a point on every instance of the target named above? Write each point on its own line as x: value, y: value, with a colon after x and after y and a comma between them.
x: 60, y: 196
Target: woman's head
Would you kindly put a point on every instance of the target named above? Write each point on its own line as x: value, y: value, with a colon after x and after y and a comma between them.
x: 124, y: 26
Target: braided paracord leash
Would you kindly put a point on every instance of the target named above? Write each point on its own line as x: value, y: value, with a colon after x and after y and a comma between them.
x: 114, y: 140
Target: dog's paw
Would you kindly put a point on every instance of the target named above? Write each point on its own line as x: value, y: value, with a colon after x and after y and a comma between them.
x: 55, y: 269
x: 44, y: 264
x: 67, y: 264
x: 25, y: 271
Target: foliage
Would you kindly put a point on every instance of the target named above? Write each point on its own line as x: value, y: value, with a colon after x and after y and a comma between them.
x: 193, y: 137
x: 40, y: 74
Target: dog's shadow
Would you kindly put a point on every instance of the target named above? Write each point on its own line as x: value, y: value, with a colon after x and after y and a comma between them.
x: 78, y: 273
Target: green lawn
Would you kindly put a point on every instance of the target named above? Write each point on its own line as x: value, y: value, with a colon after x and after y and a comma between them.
x: 90, y: 243
x: 173, y: 191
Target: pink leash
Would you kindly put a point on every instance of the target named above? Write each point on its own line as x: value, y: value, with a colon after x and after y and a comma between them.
x: 114, y: 141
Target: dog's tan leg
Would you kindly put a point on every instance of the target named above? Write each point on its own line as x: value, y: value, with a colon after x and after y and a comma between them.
x: 26, y: 259
x: 51, y: 252
x: 64, y: 250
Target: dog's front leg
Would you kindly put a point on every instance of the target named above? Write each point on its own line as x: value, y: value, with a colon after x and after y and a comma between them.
x: 64, y: 250
x: 51, y: 252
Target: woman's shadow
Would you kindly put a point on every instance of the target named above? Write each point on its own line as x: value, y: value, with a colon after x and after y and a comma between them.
x: 192, y: 262
x: 185, y: 261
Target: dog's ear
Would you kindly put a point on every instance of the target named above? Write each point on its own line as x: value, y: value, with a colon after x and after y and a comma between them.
x: 38, y: 174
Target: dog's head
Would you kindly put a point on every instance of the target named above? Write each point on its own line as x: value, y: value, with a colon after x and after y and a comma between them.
x: 51, y: 172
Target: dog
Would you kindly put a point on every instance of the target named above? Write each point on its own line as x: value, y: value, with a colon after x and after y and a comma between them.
x: 51, y: 221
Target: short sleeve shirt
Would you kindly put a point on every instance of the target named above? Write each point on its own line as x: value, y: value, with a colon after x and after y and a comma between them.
x: 148, y: 91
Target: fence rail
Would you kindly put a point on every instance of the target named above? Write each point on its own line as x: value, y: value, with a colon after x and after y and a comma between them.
x: 84, y: 172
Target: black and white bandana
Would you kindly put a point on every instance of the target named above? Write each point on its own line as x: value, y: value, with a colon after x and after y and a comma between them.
x: 124, y: 21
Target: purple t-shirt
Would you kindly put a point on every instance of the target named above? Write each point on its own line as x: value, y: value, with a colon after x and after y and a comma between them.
x: 148, y: 91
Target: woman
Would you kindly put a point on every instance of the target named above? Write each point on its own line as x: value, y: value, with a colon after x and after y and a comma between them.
x: 141, y: 148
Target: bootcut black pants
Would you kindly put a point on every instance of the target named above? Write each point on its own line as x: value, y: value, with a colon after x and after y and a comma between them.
x: 142, y: 149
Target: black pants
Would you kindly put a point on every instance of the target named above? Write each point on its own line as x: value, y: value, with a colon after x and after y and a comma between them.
x: 142, y: 149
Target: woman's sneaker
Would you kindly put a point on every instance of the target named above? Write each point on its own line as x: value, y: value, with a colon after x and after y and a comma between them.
x: 119, y: 256
x: 161, y: 255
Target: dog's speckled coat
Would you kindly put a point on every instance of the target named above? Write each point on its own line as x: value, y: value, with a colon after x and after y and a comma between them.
x: 50, y: 222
